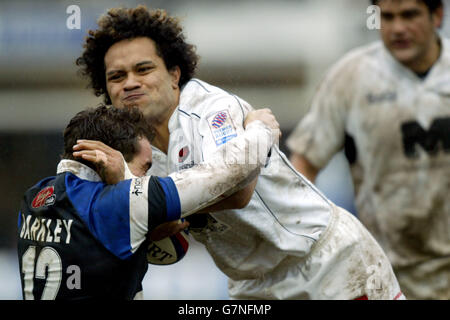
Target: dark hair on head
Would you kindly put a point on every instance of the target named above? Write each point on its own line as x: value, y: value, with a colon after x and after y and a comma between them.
x: 432, y: 5
x: 118, y: 128
x: 121, y: 23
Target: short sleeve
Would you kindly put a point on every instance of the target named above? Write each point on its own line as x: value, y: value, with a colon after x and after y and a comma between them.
x: 321, y: 133
x: 120, y: 215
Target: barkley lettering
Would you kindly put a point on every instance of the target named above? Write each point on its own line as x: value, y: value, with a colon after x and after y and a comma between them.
x: 46, y: 230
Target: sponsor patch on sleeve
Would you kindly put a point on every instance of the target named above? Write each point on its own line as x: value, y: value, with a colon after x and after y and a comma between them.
x: 222, y: 127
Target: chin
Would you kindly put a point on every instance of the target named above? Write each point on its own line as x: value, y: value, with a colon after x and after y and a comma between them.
x: 136, y: 104
x: 405, y: 56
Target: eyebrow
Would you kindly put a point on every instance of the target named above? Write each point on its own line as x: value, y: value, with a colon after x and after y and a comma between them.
x: 143, y: 62
x: 139, y: 64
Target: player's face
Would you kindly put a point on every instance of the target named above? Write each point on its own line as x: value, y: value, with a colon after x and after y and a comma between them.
x: 142, y: 160
x: 408, y: 29
x: 137, y: 76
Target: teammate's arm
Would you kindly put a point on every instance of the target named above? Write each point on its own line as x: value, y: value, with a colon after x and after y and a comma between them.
x: 304, y: 166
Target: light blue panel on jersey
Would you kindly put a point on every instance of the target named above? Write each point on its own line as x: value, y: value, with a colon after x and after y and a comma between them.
x: 105, y: 211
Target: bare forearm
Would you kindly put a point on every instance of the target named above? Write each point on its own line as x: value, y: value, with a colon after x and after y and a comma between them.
x: 305, y: 167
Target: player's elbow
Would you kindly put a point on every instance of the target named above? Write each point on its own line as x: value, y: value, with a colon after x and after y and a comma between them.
x: 242, y: 201
x: 242, y: 198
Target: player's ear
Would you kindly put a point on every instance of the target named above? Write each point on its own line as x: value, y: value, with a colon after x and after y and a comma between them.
x: 438, y: 17
x: 175, y: 73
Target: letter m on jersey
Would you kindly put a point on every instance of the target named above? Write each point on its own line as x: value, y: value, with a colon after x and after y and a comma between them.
x: 436, y: 138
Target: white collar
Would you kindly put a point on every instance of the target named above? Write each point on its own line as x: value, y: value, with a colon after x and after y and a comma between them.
x: 405, y: 71
x: 82, y: 171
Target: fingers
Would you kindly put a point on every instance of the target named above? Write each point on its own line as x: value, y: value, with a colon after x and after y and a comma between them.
x: 95, y: 156
x: 168, y: 229
x: 183, y: 225
x: 93, y: 145
x: 91, y: 148
x: 265, y: 115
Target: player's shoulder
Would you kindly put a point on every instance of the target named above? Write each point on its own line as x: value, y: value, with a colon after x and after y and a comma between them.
x: 201, y: 98
x: 367, y: 51
x: 446, y: 50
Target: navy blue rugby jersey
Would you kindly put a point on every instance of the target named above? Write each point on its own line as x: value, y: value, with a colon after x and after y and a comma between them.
x: 83, y: 239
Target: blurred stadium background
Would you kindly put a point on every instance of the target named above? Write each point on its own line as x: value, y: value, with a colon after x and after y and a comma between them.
x: 270, y: 53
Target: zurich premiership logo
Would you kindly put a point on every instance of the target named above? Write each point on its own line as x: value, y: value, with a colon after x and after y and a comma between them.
x: 219, y: 120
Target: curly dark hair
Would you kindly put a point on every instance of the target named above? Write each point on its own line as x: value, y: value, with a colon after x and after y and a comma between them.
x: 118, y: 128
x: 122, y: 23
x: 432, y: 5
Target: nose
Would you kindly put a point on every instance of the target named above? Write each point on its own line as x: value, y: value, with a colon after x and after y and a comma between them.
x: 132, y: 82
x: 398, y: 26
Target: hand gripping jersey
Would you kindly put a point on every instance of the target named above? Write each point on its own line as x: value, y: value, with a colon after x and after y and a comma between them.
x: 268, y: 248
x: 400, y: 125
x: 81, y: 239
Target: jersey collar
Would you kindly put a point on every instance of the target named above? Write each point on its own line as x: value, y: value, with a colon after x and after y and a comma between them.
x: 77, y: 168
x: 406, y: 72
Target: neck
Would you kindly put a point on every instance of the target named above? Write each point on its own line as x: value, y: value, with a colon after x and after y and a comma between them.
x: 162, y: 134
x: 426, y: 62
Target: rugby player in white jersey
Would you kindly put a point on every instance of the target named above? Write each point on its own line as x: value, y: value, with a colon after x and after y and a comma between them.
x: 388, y: 104
x: 277, y: 238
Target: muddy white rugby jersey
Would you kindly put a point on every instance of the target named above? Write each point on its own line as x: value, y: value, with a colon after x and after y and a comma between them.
x: 286, y: 214
x: 400, y: 125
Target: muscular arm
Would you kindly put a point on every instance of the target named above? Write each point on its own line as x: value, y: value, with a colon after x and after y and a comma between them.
x: 304, y: 166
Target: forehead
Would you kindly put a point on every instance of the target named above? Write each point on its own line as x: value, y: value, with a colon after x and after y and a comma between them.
x: 400, y: 5
x: 129, y: 52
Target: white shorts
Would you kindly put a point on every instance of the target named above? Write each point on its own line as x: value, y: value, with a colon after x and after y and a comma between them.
x: 345, y: 264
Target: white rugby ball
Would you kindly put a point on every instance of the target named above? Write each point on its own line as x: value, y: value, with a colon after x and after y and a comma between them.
x: 169, y: 250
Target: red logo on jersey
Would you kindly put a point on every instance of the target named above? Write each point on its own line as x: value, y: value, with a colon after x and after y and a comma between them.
x: 41, y: 198
x: 182, y: 154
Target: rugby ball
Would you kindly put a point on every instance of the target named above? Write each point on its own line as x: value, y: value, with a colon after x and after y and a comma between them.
x: 169, y: 250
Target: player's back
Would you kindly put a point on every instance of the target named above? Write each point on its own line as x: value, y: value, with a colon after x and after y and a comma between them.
x: 60, y: 258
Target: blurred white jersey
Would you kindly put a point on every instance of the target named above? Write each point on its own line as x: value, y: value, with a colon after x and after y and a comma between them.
x: 400, y: 125
x: 266, y: 249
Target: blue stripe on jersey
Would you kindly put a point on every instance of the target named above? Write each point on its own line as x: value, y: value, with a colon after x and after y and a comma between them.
x: 173, y: 204
x: 19, y: 222
x: 105, y: 211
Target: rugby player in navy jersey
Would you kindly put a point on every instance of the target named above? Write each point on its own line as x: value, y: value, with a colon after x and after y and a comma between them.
x: 80, y: 238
